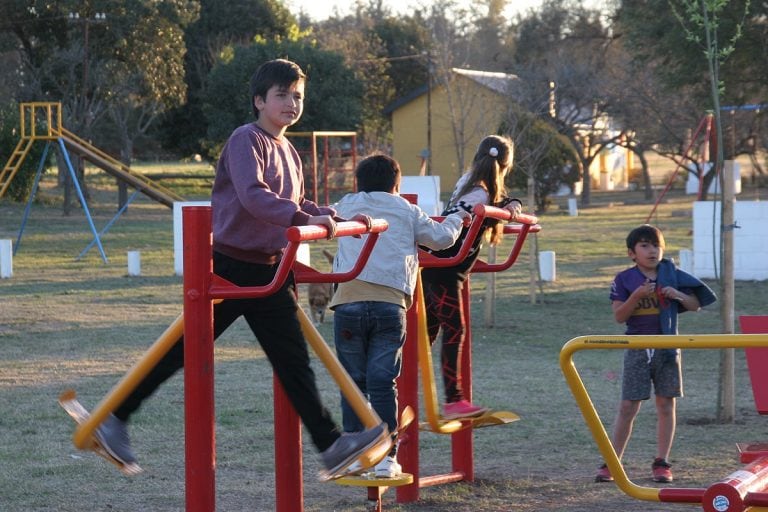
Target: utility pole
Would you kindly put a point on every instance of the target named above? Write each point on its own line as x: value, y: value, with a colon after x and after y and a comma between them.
x: 82, y: 110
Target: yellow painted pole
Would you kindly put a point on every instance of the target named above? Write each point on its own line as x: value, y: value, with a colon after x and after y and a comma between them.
x: 602, y: 342
x: 349, y: 389
x: 83, y: 435
x: 431, y: 407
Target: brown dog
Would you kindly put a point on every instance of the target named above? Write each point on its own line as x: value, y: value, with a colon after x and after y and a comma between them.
x: 319, y: 295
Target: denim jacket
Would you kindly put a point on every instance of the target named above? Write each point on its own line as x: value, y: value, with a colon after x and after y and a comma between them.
x: 669, y: 275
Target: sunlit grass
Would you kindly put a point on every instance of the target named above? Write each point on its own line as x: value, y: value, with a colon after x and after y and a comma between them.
x: 67, y: 323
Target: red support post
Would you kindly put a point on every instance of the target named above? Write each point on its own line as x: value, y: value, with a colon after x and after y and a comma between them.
x: 200, y: 434
x: 757, y: 360
x: 408, y: 391
x: 462, y: 442
x: 201, y: 288
x: 289, y: 483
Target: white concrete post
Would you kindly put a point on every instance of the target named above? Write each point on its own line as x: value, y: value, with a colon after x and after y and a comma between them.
x: 134, y: 263
x: 303, y: 255
x: 178, y: 233
x: 573, y: 209
x: 547, y: 265
x: 6, y: 259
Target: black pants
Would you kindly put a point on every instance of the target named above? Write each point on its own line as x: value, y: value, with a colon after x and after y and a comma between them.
x: 444, y: 309
x: 275, y: 324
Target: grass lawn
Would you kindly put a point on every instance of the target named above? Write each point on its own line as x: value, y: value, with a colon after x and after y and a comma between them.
x: 67, y: 323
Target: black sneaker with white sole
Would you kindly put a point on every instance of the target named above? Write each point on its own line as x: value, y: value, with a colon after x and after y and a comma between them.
x: 112, y: 434
x: 348, y: 448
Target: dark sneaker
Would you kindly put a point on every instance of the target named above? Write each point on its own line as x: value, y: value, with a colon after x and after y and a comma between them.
x: 661, y: 471
x: 113, y: 437
x: 603, y: 474
x: 348, y: 448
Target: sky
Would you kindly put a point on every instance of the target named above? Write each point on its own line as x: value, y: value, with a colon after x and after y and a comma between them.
x: 321, y: 9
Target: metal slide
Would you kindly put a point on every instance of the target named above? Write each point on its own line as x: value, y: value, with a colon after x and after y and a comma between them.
x: 119, y: 170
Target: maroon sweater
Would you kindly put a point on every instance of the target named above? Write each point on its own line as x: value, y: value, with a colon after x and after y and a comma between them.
x: 257, y: 194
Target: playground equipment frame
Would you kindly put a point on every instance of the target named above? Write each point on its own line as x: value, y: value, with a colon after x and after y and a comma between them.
x: 757, y: 501
x: 462, y: 447
x: 51, y: 129
x: 201, y: 288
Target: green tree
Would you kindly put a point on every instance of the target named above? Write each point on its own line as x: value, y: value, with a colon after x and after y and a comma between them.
x: 674, y: 55
x: 147, y: 77
x: 489, y: 47
x: 333, y: 96
x: 701, y: 21
x: 542, y: 156
x: 387, y: 55
x: 565, y: 50
x: 221, y: 24
x: 90, y: 55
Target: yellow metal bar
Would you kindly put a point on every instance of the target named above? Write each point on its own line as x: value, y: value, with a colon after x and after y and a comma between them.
x: 51, y: 115
x: 595, y: 424
x: 84, y: 432
x: 368, y: 417
x: 431, y: 407
x: 22, y: 120
x: 349, y: 389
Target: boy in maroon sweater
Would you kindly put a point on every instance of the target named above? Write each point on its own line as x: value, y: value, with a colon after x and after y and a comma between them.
x: 257, y: 194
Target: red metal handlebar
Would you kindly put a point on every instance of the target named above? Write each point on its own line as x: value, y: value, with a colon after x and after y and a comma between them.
x: 304, y: 274
x: 527, y: 223
x: 223, y: 289
x: 346, y: 228
x: 504, y: 214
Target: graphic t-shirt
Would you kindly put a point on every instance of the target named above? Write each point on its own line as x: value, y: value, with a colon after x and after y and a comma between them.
x: 645, y: 317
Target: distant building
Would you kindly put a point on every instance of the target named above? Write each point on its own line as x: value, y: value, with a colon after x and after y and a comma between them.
x: 460, y: 115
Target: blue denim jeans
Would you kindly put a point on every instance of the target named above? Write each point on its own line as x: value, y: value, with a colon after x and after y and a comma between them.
x: 369, y: 339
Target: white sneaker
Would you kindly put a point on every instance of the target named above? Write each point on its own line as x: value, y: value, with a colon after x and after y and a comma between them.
x: 388, y: 468
x: 355, y: 469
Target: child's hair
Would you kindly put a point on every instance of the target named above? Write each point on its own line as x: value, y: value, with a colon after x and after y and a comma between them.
x: 377, y: 173
x: 645, y: 233
x: 280, y: 72
x: 490, y: 165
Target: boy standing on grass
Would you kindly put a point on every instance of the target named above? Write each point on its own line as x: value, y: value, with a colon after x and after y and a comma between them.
x: 258, y: 193
x: 648, y: 297
x: 369, y: 312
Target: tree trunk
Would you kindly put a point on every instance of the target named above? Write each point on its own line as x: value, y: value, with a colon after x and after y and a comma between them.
x: 646, y: 174
x: 727, y: 396
x: 532, y: 247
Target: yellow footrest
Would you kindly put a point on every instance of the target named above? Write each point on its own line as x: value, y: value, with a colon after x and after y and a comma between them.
x: 372, y: 481
x: 492, y: 418
x: 487, y: 419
